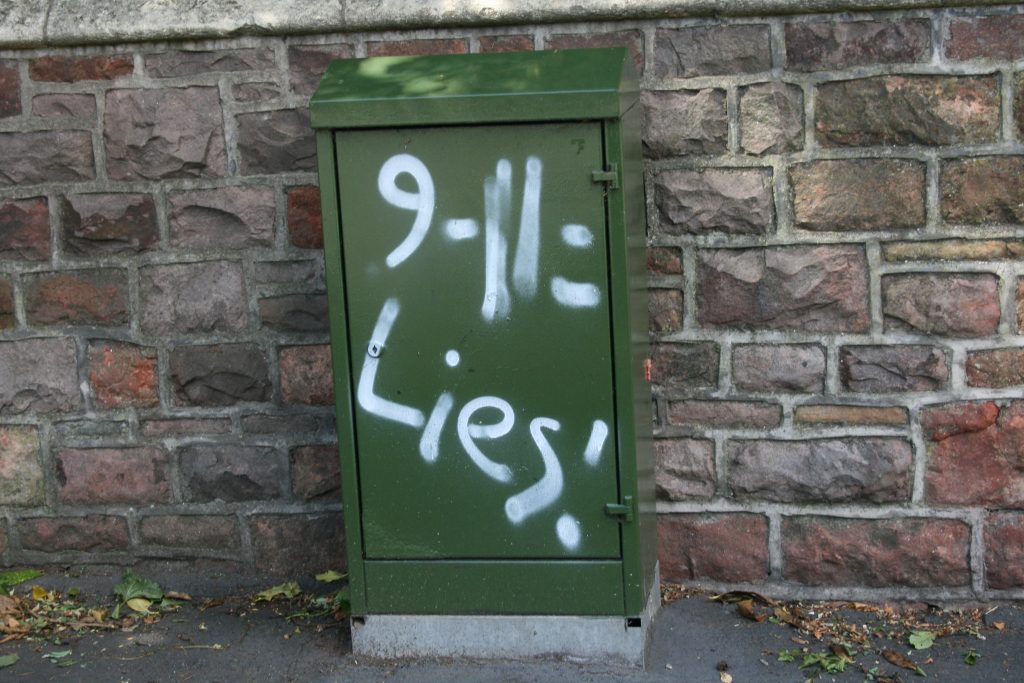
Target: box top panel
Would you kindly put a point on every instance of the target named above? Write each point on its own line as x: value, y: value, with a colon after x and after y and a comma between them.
x: 556, y: 85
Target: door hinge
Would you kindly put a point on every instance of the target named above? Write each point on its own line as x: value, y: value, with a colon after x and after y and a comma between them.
x: 609, y: 176
x: 622, y: 511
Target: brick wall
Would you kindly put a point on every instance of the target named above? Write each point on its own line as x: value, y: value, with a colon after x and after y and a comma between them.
x: 836, y: 291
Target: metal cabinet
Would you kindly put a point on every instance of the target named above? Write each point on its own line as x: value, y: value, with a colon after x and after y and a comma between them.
x: 483, y: 238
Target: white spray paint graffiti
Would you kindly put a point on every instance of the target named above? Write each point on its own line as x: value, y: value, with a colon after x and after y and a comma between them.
x: 497, y: 305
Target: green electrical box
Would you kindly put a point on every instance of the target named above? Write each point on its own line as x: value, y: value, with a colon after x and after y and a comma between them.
x: 484, y: 242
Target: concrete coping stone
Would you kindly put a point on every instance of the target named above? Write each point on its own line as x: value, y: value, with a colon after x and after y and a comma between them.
x: 47, y: 23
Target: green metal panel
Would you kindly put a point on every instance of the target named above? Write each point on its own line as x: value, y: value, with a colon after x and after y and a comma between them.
x: 563, y: 85
x: 488, y: 305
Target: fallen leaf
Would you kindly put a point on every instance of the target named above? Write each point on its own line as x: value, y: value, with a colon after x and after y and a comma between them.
x: 40, y: 594
x: 724, y: 677
x: 8, y: 660
x: 971, y: 657
x: 921, y: 640
x: 133, y: 586
x: 9, y: 580
x: 746, y: 610
x: 98, y: 614
x: 740, y: 596
x: 140, y: 605
x: 330, y: 576
x: 175, y: 595
x: 902, y: 662
x: 284, y: 590
x: 999, y: 625
x: 54, y: 656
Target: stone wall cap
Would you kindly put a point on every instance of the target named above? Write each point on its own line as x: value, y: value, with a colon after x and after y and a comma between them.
x: 45, y: 23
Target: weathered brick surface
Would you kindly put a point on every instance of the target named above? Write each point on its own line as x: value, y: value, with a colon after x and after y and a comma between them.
x: 288, y: 544
x: 276, y: 142
x: 684, y: 468
x: 725, y: 414
x: 778, y: 368
x: 664, y: 261
x: 685, y: 366
x: 79, y: 297
x: 732, y: 201
x: 902, y: 367
x: 864, y: 470
x: 711, y: 50
x: 720, y: 547
x: 10, y: 89
x: 256, y: 92
x: 230, y: 473
x: 315, y: 473
x: 190, y: 531
x: 682, y: 122
x: 304, y: 272
x: 859, y: 194
x: 63, y: 69
x: 185, y: 426
x: 306, y: 374
x: 771, y: 118
x: 821, y: 45
x: 974, y: 454
x: 1004, y: 550
x: 908, y: 110
x: 228, y: 217
x: 295, y: 312
x: 193, y: 298
x: 633, y: 41
x: 514, y: 43
x: 101, y: 476
x: 46, y: 156
x: 122, y: 374
x: 38, y: 376
x: 307, y: 64
x: 90, y: 431
x: 8, y: 316
x: 63, y: 105
x: 997, y: 368
x: 983, y: 190
x: 165, y: 133
x: 188, y: 62
x: 91, y: 533
x: 25, y: 229
x: 98, y: 224
x: 953, y: 250
x: 875, y: 552
x: 859, y: 415
x: 412, y: 48
x: 286, y: 424
x: 953, y: 304
x: 816, y: 289
x: 1020, y: 305
x: 1018, y: 104
x: 305, y: 225
x: 665, y: 308
x: 994, y: 37
x: 21, y: 474
x: 218, y: 374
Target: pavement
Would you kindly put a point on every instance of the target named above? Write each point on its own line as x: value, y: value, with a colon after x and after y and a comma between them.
x: 222, y: 636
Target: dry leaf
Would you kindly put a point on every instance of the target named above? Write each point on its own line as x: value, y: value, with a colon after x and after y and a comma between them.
x: 175, y: 595
x: 901, y: 661
x: 746, y: 610
x: 141, y: 605
x: 724, y: 677
x: 742, y: 596
x: 999, y: 625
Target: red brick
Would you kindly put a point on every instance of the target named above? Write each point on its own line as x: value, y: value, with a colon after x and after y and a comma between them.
x: 7, y: 316
x: 10, y: 89
x: 633, y: 41
x: 412, y: 48
x: 315, y: 472
x: 983, y: 190
x: 725, y: 414
x: 70, y: 69
x: 25, y: 229
x: 994, y: 37
x: 190, y: 531
x: 685, y: 468
x: 974, y: 454
x: 92, y: 533
x: 665, y: 309
x: 845, y: 415
x: 893, y: 367
x: 720, y: 547
x: 305, y: 225
x: 778, y: 368
x: 96, y: 476
x: 306, y: 374
x: 1004, y: 550
x: 949, y: 304
x: 79, y: 297
x: 185, y: 427
x: 285, y: 545
x: 858, y: 194
x: 825, y: 551
x: 516, y: 43
x: 996, y: 368
x: 122, y: 374
x: 817, y: 46
x: 664, y: 261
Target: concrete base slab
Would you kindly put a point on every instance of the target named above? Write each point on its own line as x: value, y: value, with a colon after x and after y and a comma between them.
x: 607, y: 640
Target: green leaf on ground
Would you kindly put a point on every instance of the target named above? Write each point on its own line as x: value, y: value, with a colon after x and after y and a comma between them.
x: 922, y: 640
x: 971, y: 657
x: 133, y: 586
x: 9, y: 580
x: 284, y: 590
x: 8, y: 660
x: 54, y: 656
x: 330, y: 576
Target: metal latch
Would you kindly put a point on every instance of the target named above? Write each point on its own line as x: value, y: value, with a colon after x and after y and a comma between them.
x: 623, y: 511
x: 609, y: 176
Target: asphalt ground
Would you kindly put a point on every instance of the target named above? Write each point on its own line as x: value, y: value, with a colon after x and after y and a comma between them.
x: 221, y: 635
